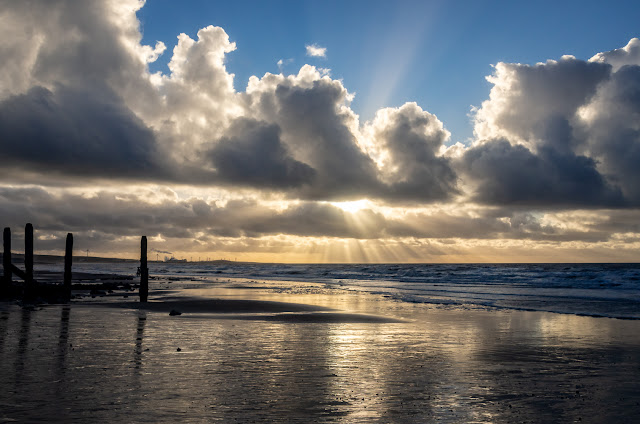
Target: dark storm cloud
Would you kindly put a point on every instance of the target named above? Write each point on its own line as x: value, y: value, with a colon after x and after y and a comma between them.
x: 489, y: 224
x: 618, y: 221
x: 512, y: 175
x: 614, y: 133
x: 76, y: 133
x: 252, y: 155
x: 318, y: 134
x: 558, y: 135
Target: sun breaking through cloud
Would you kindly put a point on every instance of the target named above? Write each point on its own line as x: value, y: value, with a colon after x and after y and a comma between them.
x: 95, y: 143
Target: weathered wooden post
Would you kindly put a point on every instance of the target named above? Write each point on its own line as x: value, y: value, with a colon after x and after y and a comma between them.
x: 6, y: 256
x: 28, y: 256
x: 144, y: 271
x: 68, y: 259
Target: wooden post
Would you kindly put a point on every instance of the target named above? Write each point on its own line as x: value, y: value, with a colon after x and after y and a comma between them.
x: 6, y: 256
x: 68, y: 259
x: 144, y: 271
x: 28, y: 255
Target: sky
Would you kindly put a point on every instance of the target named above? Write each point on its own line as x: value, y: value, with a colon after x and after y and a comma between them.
x: 303, y: 131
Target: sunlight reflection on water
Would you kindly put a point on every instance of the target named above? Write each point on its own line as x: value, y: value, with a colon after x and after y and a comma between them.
x: 92, y: 363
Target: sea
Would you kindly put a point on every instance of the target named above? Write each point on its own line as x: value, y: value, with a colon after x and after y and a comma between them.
x: 599, y: 290
x: 460, y: 352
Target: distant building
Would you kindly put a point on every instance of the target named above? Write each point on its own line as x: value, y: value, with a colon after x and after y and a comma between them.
x: 172, y: 259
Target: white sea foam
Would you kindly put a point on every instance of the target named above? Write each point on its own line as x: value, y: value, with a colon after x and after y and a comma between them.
x: 610, y: 290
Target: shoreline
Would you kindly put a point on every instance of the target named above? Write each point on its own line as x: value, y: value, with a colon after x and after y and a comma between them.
x: 297, y: 353
x: 108, y: 286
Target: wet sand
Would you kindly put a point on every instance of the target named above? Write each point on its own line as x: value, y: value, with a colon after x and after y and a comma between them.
x: 296, y: 352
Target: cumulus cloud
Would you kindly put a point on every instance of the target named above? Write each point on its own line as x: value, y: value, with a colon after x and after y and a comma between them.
x: 526, y: 99
x: 294, y: 134
x: 75, y: 44
x: 78, y: 103
x: 197, y: 100
x: 560, y: 134
x: 68, y: 73
x: 252, y: 154
x: 395, y: 157
x: 507, y: 174
x: 627, y: 55
x: 562, y: 131
x: 318, y: 128
x: 610, y: 128
x: 314, y: 50
x: 82, y: 133
x: 407, y: 143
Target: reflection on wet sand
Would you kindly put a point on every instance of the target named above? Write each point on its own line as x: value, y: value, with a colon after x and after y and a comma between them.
x: 23, y: 342
x: 63, y: 339
x: 137, y: 352
x: 435, y: 365
x: 4, y: 326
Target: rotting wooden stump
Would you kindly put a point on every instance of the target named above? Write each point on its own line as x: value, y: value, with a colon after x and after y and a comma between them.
x: 68, y: 259
x: 144, y: 271
x: 30, y: 290
x: 28, y: 254
x: 6, y: 257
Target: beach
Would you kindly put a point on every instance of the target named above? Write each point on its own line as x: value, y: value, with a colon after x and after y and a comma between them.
x: 282, y: 351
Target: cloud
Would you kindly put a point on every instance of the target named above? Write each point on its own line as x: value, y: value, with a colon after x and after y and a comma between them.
x: 124, y: 214
x: 627, y: 55
x: 44, y: 43
x: 282, y: 63
x: 79, y: 133
x: 560, y: 134
x: 318, y: 128
x: 294, y: 134
x: 71, y: 82
x: 609, y: 126
x: 314, y: 50
x: 407, y: 143
x: 252, y: 155
x: 79, y: 107
x: 507, y: 174
x: 396, y: 157
x: 525, y: 99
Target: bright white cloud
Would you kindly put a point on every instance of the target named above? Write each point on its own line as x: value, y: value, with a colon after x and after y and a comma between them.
x: 314, y: 50
x: 282, y: 63
x: 627, y: 55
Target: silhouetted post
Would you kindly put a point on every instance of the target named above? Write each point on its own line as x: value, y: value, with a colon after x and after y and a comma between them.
x: 68, y: 259
x: 6, y: 255
x: 28, y: 255
x: 144, y: 271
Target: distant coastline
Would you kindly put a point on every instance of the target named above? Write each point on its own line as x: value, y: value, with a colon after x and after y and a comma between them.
x: 49, y: 259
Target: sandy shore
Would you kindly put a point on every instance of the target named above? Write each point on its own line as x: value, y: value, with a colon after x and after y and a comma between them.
x: 297, y: 352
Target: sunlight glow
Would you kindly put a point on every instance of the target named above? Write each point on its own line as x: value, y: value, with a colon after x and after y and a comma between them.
x: 353, y: 206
